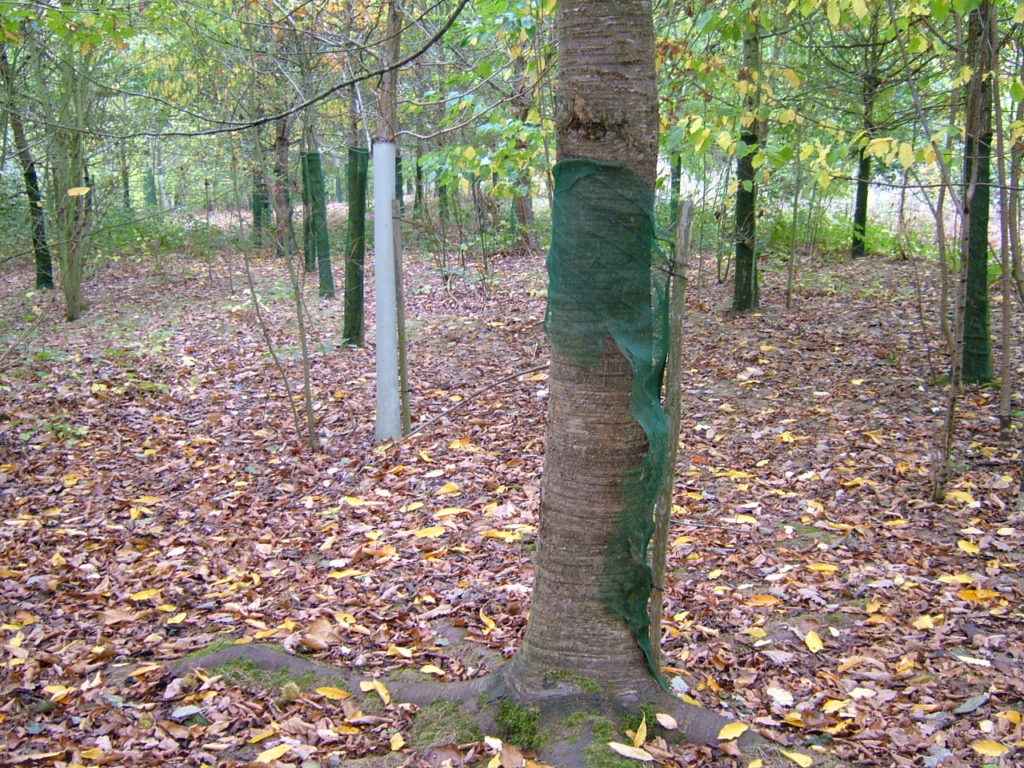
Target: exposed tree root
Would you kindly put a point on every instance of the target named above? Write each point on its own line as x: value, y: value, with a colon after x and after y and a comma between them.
x: 571, y: 716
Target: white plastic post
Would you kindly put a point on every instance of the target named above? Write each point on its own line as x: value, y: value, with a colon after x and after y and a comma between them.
x: 389, y: 409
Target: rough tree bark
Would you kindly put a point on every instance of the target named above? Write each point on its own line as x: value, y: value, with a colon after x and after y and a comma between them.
x: 977, y: 347
x: 746, y: 293
x: 43, y: 260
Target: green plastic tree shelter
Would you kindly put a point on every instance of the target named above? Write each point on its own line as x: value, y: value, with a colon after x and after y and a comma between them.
x: 601, y: 285
x: 355, y: 246
x: 316, y: 239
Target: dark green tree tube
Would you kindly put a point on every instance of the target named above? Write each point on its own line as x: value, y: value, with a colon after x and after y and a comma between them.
x: 308, y: 245
x: 355, y: 245
x: 149, y: 188
x: 746, y: 294
x: 339, y: 189
x: 860, y: 206
x: 977, y: 341
x: 675, y: 183
x: 318, y: 240
x: 260, y: 208
x: 399, y: 186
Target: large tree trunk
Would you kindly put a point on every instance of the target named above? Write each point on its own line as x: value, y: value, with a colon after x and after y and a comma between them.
x: 606, y: 111
x: 977, y: 354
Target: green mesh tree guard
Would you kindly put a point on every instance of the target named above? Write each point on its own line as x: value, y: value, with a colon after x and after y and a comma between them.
x: 601, y: 284
x: 355, y: 245
x: 149, y: 188
x: 317, y: 239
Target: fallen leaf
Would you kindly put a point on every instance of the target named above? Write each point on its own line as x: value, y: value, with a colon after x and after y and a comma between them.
x: 397, y: 742
x: 634, y: 753
x: 800, y: 759
x: 332, y: 693
x: 378, y: 686
x: 813, y: 641
x: 666, y: 721
x: 990, y: 748
x: 732, y: 731
x: 268, y: 756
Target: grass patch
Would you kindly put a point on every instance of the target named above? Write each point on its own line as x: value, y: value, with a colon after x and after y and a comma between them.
x: 582, y: 682
x: 248, y: 674
x: 442, y: 723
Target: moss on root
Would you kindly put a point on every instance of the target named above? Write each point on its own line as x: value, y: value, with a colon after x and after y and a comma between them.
x: 519, y: 725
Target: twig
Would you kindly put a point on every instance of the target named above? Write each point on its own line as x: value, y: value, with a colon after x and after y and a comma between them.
x: 482, y: 390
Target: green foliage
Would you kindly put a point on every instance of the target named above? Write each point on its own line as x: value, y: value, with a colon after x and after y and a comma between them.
x: 518, y: 724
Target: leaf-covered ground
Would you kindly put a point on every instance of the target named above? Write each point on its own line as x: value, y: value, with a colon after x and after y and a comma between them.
x: 155, y: 500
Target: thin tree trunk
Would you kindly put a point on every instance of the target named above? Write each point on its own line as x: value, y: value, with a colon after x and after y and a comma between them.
x: 746, y: 293
x: 977, y: 350
x: 36, y: 212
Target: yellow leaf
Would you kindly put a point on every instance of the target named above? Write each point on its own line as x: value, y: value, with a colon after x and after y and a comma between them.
x: 431, y: 669
x: 990, y: 748
x: 1018, y: 17
x: 924, y: 622
x: 256, y: 738
x: 800, y: 759
x: 397, y: 650
x: 956, y: 578
x: 378, y: 686
x: 58, y: 559
x: 833, y: 705
x: 762, y: 601
x: 268, y: 756
x: 145, y: 594
x: 968, y: 546
x: 78, y: 191
x: 748, y: 519
x: 828, y: 568
x: 977, y: 595
x: 832, y: 11
x: 507, y: 536
x: 397, y: 742
x: 1011, y: 715
x: 964, y: 497
x: 813, y: 641
x: 755, y: 632
x: 641, y: 732
x: 860, y: 8
x: 450, y: 512
x: 758, y: 763
x: 792, y: 77
x: 177, y: 618
x: 430, y: 533
x: 633, y: 753
x: 448, y: 489
x: 92, y: 754
x: 488, y: 622
x: 332, y: 693
x: 344, y: 574
x: 732, y: 731
x: 906, y: 154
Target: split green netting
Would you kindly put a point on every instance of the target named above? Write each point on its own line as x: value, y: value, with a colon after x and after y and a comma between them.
x: 602, y: 283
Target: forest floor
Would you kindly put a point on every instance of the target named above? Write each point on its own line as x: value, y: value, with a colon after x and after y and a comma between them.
x: 155, y: 500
